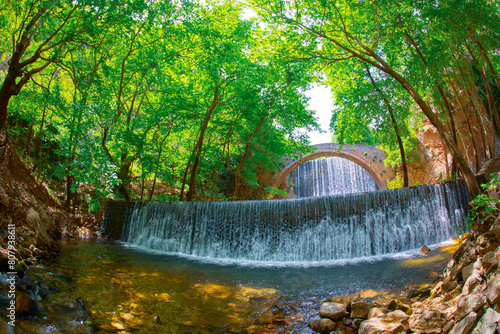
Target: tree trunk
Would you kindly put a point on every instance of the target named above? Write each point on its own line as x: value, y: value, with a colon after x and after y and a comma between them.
x: 394, y: 125
x: 434, y: 119
x: 199, y: 146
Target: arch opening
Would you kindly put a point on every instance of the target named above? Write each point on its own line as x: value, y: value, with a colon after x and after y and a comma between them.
x: 369, y: 157
x: 329, y: 176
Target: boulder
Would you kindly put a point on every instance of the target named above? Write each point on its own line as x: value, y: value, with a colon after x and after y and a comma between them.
x: 346, y: 300
x: 465, y: 325
x: 332, y: 311
x: 488, y: 241
x: 396, y: 304
x: 491, y: 260
x: 443, y: 287
x: 357, y: 322
x: 390, y: 323
x: 467, y: 271
x: 425, y: 250
x: 360, y: 309
x: 34, y: 221
x: 475, y: 281
x: 375, y: 312
x: 322, y: 325
x: 4, y: 199
x: 427, y: 321
x: 420, y: 293
x: 467, y: 304
x: 488, y: 322
x: 25, y: 306
x: 493, y: 290
x: 448, y: 326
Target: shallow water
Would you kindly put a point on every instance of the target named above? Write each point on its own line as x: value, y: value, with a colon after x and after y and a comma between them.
x: 110, y: 287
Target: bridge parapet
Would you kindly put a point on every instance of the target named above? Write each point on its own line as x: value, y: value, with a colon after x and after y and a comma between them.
x: 367, y: 156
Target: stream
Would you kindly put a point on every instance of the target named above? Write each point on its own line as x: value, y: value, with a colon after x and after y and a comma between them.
x: 101, y: 286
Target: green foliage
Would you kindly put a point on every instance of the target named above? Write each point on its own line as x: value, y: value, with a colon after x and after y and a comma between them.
x: 396, y: 183
x: 275, y: 191
x: 122, y: 101
x: 482, y: 205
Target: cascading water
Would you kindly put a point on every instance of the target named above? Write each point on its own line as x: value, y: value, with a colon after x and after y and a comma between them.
x: 308, y: 229
x: 331, y: 176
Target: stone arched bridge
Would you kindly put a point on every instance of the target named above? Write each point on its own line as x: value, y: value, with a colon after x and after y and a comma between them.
x: 367, y: 156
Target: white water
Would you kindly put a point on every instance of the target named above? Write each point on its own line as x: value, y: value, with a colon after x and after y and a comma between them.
x: 310, y: 229
x: 331, y: 176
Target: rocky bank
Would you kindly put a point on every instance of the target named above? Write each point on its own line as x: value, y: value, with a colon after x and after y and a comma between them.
x: 465, y: 299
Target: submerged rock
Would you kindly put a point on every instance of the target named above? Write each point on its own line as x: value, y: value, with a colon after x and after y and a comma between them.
x: 346, y: 299
x: 323, y: 325
x: 425, y: 250
x: 333, y: 311
x: 25, y: 306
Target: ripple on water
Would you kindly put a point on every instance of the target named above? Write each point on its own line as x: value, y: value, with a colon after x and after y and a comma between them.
x: 119, y: 287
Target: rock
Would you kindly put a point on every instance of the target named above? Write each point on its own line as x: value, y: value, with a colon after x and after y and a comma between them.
x: 333, y: 311
x: 488, y: 322
x: 347, y: 331
x: 375, y: 312
x: 493, y: 290
x: 33, y: 218
x: 346, y: 300
x: 474, y: 281
x: 465, y: 255
x: 491, y: 260
x: 467, y: 271
x: 390, y: 323
x: 425, y: 250
x: 398, y: 305
x: 465, y: 325
x: 322, y: 325
x: 357, y: 322
x: 25, y: 306
x: 443, y: 287
x: 360, y: 309
x: 467, y: 304
x: 489, y: 167
x: 421, y: 293
x: 4, y: 199
x: 427, y: 321
x: 448, y: 326
x: 34, y: 221
x: 488, y: 241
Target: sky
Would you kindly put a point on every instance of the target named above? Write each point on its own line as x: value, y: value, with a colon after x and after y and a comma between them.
x: 321, y: 101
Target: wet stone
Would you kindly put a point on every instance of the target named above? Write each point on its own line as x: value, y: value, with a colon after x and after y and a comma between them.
x: 323, y: 325
x: 333, y: 311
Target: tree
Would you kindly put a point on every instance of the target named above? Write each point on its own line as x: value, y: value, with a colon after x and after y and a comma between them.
x: 376, y: 34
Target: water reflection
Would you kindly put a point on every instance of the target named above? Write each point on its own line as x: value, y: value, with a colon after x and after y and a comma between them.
x: 108, y: 288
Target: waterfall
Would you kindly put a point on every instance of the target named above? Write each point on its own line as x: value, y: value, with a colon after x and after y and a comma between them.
x: 305, y: 229
x: 331, y: 176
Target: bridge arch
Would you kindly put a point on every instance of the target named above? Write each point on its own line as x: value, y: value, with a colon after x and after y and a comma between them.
x: 367, y: 156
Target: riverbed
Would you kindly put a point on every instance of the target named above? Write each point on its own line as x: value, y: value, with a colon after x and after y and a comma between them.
x: 100, y: 286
